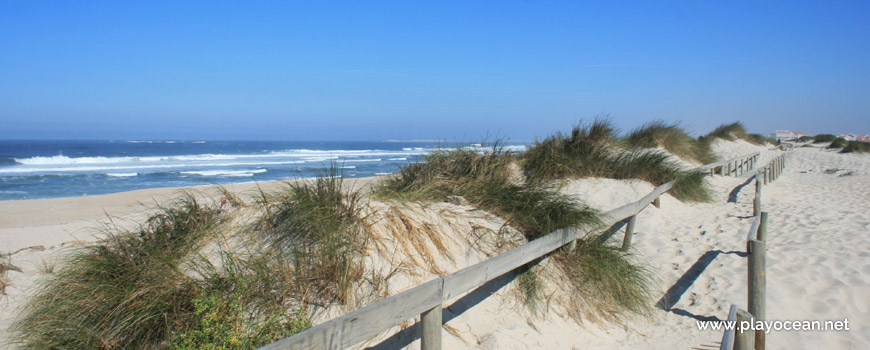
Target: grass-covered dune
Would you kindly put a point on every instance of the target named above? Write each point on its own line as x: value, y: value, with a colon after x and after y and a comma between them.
x: 193, y: 276
x: 595, y: 151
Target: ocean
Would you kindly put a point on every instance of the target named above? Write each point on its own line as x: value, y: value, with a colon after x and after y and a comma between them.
x: 47, y: 169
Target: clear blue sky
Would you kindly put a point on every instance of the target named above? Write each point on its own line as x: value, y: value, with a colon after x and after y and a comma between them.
x: 426, y: 69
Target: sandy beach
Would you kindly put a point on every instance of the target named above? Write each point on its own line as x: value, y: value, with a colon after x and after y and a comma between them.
x: 818, y: 266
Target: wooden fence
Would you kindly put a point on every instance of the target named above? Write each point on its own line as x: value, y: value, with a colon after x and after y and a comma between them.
x: 756, y: 250
x: 427, y: 299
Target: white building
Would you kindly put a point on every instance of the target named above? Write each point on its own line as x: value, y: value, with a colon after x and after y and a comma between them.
x: 785, y: 134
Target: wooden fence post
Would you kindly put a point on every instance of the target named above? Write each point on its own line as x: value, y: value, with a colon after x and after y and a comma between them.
x: 757, y: 285
x: 430, y: 338
x: 629, y: 231
x: 761, y: 235
x: 757, y: 203
x: 743, y: 339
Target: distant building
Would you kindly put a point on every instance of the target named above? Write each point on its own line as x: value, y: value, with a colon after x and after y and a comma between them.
x: 848, y: 137
x: 865, y: 137
x: 785, y: 134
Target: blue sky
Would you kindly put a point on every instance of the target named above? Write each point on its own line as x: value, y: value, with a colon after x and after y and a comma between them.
x: 426, y: 69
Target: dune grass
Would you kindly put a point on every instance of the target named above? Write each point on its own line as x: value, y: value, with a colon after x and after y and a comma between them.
x: 856, y: 147
x: 128, y: 293
x: 838, y: 143
x: 174, y: 284
x: 592, y: 151
x: 822, y: 138
x: 607, y: 280
x: 5, y: 266
x: 485, y: 180
x: 318, y: 224
x: 672, y: 138
x: 729, y: 132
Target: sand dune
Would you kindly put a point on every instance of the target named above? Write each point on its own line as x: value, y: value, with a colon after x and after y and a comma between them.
x: 818, y: 266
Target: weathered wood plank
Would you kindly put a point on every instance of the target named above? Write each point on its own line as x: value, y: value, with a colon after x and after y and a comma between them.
x: 728, y: 336
x: 366, y: 322
x: 430, y: 337
x: 757, y: 285
x: 744, y: 340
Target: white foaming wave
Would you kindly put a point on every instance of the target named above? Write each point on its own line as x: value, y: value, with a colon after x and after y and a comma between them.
x: 383, y: 173
x: 362, y: 160
x: 348, y: 167
x: 311, y: 155
x: 62, y: 160
x: 137, y: 167
x: 398, y: 159
x: 238, y: 173
x: 122, y: 174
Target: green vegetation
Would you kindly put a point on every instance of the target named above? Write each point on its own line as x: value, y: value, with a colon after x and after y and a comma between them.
x: 805, y: 139
x: 592, y: 151
x: 129, y: 293
x: 838, y: 143
x: 173, y: 283
x: 530, y: 286
x: 607, y: 279
x: 672, y: 138
x: 824, y: 138
x: 736, y: 131
x: 729, y: 132
x: 485, y: 180
x: 318, y: 225
x: 856, y: 147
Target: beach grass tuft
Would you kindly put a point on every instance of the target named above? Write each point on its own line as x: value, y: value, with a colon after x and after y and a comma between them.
x: 857, y: 147
x: 317, y: 223
x: 838, y: 143
x: 485, y: 179
x: 822, y: 138
x: 127, y: 293
x: 592, y: 151
x: 610, y: 283
x: 729, y: 132
x: 672, y: 138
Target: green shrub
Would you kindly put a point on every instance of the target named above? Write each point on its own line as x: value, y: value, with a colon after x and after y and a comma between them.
x: 824, y: 138
x: 805, y: 139
x: 838, y: 143
x: 242, y: 304
x: 856, y: 147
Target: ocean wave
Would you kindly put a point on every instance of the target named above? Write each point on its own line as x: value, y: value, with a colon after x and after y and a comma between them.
x: 398, y: 159
x: 238, y: 173
x: 136, y: 167
x: 306, y: 154
x: 122, y: 174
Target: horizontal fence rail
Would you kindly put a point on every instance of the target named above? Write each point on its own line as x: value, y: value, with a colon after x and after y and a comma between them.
x: 426, y: 299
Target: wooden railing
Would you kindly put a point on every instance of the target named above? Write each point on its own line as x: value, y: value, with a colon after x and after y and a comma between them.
x: 756, y: 251
x: 427, y: 299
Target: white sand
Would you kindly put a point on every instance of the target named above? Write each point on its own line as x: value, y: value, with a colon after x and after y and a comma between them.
x: 817, y: 258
